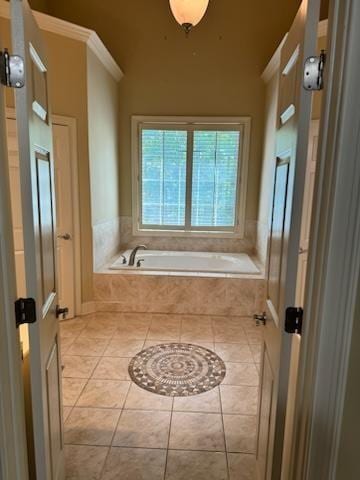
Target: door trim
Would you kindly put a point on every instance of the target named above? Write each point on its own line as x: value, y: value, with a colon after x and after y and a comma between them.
x: 334, y: 258
x: 71, y: 124
x: 13, y: 444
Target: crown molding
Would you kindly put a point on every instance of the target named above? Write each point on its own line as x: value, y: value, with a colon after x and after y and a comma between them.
x: 75, y: 32
x: 274, y: 64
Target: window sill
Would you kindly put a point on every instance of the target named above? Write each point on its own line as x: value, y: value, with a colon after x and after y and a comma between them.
x: 187, y: 234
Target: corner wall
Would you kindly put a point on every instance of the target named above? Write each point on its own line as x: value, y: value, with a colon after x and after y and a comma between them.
x: 103, y: 106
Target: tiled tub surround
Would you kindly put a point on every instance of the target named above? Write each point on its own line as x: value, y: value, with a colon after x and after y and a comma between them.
x: 114, y: 429
x: 196, y: 244
x: 193, y: 294
x: 106, y: 241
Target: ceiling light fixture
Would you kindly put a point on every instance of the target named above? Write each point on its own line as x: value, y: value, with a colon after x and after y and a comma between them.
x: 188, y: 13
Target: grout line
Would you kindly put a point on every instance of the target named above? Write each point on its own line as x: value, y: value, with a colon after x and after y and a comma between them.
x: 223, y: 425
x: 168, y: 443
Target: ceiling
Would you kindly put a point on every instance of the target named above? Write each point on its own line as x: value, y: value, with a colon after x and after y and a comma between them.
x: 246, y: 28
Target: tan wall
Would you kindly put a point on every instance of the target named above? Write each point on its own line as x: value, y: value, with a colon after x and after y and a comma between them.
x: 68, y: 95
x: 216, y: 71
x: 103, y: 109
x: 103, y: 141
x: 268, y: 168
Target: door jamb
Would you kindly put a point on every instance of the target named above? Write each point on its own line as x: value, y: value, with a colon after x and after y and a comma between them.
x: 13, y: 443
x: 70, y: 122
x: 334, y: 258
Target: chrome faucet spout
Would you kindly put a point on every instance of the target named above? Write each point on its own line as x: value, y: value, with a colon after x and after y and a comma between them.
x: 133, y: 254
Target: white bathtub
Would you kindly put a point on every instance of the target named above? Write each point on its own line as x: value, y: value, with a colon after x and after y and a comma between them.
x: 153, y: 260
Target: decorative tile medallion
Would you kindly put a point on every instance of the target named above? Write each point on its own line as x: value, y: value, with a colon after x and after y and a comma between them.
x: 177, y: 369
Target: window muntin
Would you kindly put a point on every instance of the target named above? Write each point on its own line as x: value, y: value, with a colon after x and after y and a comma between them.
x: 176, y: 206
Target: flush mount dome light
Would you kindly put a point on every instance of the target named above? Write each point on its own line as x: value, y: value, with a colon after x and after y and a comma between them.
x: 188, y: 13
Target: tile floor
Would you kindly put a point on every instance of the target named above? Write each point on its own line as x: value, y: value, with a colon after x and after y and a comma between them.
x: 115, y: 430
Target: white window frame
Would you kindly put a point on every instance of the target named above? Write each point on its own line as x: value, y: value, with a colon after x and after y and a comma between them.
x: 241, y: 124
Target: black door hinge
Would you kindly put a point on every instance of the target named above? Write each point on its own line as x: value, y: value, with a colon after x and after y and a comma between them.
x: 25, y: 311
x: 294, y: 320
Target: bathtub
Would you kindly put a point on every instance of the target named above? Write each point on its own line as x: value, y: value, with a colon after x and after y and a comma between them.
x: 171, y: 261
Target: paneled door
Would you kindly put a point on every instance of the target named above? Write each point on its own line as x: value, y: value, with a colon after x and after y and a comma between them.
x: 39, y: 227
x: 293, y: 123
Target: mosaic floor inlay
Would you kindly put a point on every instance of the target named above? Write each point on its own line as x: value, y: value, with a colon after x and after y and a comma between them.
x: 177, y: 369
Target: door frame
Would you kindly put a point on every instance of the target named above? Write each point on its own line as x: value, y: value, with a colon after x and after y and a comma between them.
x: 334, y: 257
x: 71, y: 123
x: 13, y: 443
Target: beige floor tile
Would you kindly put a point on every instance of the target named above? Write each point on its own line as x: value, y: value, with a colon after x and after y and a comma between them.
x: 241, y: 467
x: 186, y: 465
x: 91, y: 426
x: 92, y: 347
x: 240, y: 433
x: 143, y: 429
x: 165, y: 319
x: 164, y: 332
x: 71, y: 328
x: 84, y: 462
x: 131, y: 332
x: 77, y: 366
x: 135, y: 464
x: 119, y: 347
x: 66, y: 413
x: 112, y: 368
x: 239, y: 400
x: 196, y: 431
x: 241, y: 374
x: 72, y: 388
x: 66, y: 342
x: 255, y: 337
x: 229, y: 332
x: 99, y: 328
x: 104, y: 393
x: 208, y: 402
x: 197, y: 329
x: 140, y: 399
x: 235, y: 352
x: 256, y: 351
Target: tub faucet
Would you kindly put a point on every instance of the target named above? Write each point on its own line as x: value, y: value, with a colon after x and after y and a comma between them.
x: 133, y: 254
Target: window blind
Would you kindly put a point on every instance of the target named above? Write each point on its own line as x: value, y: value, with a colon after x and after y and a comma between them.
x: 214, y: 178
x: 163, y: 177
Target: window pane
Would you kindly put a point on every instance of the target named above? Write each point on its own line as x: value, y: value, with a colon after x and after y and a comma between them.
x: 163, y: 177
x: 215, y: 167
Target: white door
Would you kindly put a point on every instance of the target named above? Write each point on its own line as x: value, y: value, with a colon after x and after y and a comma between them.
x: 293, y: 122
x: 13, y: 446
x: 39, y: 227
x: 64, y: 217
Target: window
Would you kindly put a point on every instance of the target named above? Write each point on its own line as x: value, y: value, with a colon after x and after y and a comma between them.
x: 189, y: 175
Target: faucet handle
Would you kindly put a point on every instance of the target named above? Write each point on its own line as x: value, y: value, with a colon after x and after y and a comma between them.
x: 139, y: 262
